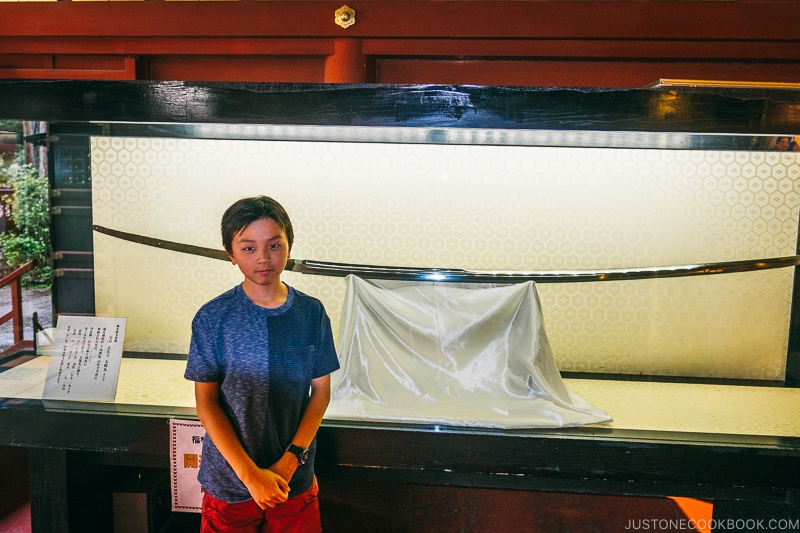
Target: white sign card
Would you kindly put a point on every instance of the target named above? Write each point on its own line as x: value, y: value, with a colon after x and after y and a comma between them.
x: 186, y: 446
x: 85, y: 360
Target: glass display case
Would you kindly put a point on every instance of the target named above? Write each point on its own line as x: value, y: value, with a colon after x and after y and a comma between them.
x: 660, y: 227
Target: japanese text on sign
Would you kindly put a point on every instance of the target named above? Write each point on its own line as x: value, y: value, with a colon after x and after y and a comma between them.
x: 86, y: 357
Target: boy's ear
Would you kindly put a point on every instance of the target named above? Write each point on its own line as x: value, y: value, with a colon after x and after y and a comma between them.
x: 230, y: 256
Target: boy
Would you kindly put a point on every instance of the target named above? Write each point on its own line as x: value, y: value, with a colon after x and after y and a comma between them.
x: 255, y: 353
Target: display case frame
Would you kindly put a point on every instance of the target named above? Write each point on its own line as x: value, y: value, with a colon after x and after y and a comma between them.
x: 63, y: 436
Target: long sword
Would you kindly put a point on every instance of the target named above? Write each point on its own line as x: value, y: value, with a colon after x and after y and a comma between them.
x: 325, y: 268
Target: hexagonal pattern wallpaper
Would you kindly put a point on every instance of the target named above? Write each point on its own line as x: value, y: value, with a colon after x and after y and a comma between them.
x: 476, y: 207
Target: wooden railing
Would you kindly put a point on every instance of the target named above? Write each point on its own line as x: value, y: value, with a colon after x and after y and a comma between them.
x: 15, y: 315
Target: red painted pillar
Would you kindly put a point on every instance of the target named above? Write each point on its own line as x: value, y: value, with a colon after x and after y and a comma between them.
x: 348, y: 64
x: 16, y: 309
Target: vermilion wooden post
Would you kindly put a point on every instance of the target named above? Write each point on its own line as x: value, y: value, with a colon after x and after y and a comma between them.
x: 16, y: 309
x: 347, y: 64
x: 15, y: 315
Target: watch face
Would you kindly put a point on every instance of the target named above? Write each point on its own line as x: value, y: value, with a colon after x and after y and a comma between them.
x: 301, y: 453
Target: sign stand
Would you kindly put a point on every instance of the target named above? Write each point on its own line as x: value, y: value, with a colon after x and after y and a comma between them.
x: 85, y: 361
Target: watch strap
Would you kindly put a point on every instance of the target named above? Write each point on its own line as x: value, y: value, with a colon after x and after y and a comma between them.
x: 299, y: 452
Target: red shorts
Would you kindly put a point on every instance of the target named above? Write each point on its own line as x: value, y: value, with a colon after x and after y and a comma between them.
x: 299, y: 514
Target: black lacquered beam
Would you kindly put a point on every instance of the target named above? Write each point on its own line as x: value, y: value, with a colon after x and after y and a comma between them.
x: 673, y: 109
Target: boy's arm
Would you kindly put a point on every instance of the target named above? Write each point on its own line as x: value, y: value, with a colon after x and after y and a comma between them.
x: 266, y: 487
x: 309, y: 424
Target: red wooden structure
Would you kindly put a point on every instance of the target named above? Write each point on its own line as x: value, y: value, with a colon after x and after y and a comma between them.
x: 15, y: 315
x: 616, y: 43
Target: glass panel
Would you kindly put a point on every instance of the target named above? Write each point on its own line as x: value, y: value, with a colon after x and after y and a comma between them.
x: 24, y: 232
x: 477, y: 207
x: 72, y: 163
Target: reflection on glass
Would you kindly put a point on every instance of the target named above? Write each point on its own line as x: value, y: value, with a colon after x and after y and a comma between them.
x: 474, y: 206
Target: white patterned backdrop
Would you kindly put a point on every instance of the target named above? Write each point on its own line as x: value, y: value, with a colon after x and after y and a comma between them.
x: 477, y: 207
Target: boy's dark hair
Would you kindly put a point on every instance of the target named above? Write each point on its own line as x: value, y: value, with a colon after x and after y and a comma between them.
x: 246, y: 211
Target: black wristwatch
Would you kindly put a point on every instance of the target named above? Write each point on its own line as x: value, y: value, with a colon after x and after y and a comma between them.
x: 300, y: 453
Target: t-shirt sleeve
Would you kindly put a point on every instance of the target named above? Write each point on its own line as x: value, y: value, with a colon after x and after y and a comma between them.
x: 327, y: 361
x: 202, y: 364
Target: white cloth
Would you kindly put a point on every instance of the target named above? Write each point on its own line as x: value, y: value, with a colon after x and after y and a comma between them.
x: 451, y: 354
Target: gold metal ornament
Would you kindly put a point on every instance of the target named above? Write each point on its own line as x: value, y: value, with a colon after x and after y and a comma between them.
x: 345, y: 16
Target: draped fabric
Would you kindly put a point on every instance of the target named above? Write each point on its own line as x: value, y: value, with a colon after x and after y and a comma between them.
x: 452, y: 354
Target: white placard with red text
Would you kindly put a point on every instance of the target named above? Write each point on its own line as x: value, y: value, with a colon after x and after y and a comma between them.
x: 186, y: 446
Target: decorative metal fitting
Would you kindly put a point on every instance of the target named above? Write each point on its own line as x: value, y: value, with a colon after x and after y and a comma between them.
x: 345, y: 16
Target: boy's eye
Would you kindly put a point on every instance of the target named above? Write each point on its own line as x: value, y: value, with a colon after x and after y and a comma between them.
x: 274, y: 246
x: 249, y: 248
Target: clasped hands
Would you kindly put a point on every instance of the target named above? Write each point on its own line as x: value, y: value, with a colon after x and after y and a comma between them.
x: 269, y: 486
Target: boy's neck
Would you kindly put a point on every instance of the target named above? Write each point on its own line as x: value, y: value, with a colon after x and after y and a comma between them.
x: 269, y: 296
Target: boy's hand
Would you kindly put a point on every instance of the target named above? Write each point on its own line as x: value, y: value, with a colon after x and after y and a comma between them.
x: 285, y: 466
x: 267, y: 488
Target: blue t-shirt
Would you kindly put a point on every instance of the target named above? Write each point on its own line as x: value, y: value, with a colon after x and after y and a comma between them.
x: 264, y: 361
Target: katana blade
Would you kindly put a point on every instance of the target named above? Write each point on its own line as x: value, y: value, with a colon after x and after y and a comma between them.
x: 326, y: 268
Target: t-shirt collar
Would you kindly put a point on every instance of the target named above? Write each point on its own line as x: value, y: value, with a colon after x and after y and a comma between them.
x: 269, y: 312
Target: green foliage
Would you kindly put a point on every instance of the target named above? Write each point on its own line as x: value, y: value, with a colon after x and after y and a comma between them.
x: 10, y: 131
x: 11, y: 125
x: 30, y: 212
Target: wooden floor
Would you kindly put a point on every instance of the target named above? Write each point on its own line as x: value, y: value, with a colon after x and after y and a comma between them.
x: 18, y: 521
x: 15, y: 512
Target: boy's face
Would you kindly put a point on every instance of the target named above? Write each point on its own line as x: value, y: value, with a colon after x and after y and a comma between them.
x: 260, y: 251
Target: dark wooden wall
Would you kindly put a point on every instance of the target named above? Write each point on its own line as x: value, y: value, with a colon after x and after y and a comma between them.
x: 534, y: 43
